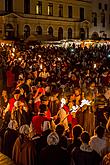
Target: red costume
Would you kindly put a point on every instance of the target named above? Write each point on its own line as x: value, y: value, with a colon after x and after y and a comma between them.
x: 37, y: 122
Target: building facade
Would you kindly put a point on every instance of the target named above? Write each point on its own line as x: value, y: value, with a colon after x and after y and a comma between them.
x: 100, y: 25
x: 63, y: 19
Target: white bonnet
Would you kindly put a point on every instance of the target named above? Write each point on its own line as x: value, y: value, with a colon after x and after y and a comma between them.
x: 52, y: 139
x: 13, y: 124
x: 24, y: 129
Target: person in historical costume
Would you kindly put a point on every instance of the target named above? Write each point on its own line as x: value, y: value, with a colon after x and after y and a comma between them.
x: 53, y: 154
x: 76, y: 141
x: 24, y: 151
x: 98, y: 141
x: 54, y: 103
x: 10, y: 137
x: 89, y: 116
x: 3, y: 102
x: 84, y: 154
x: 11, y: 105
x: 71, y: 103
x: 38, y: 120
x: 101, y: 105
x: 79, y: 113
x: 19, y: 113
x: 63, y: 114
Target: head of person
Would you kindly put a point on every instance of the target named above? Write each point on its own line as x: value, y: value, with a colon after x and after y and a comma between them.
x: 77, y: 91
x: 24, y: 130
x: 100, y: 131
x: 32, y: 131
x: 77, y: 130
x: 16, y: 94
x: 42, y: 108
x: 44, y: 69
x: 13, y: 124
x: 92, y: 85
x: 60, y: 129
x: 52, y: 139
x: 4, y: 93
x: 85, y: 137
x: 44, y: 99
x: 29, y: 81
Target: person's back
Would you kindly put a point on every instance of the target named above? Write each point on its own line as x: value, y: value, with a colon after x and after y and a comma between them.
x: 84, y: 155
x: 77, y: 130
x: 98, y: 142
x: 53, y: 154
x: 10, y: 137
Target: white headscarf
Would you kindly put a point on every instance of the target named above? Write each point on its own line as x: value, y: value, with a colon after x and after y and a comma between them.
x: 13, y: 124
x: 52, y: 139
x: 24, y: 129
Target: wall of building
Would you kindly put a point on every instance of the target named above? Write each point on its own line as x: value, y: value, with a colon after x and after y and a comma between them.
x: 19, y: 20
x: 99, y: 28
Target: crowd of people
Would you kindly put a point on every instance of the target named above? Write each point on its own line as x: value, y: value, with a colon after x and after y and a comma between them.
x: 54, y: 104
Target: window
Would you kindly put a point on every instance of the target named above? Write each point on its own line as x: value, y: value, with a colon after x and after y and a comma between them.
x: 100, y: 6
x: 50, y: 9
x: 103, y: 18
x: 39, y: 8
x: 105, y: 7
x: 69, y: 33
x: 39, y: 30
x: 26, y: 6
x: 82, y: 33
x: 9, y: 5
x: 94, y: 18
x: 26, y: 31
x: 69, y: 11
x: 60, y: 10
x: 60, y: 33
x: 81, y: 14
x: 50, y: 31
x: 9, y: 31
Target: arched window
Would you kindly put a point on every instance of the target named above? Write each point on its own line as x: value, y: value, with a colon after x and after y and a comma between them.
x: 26, y: 31
x: 95, y: 36
x: 50, y: 31
x: 82, y: 33
x: 9, y: 31
x: 39, y: 30
x: 60, y: 33
x: 69, y: 33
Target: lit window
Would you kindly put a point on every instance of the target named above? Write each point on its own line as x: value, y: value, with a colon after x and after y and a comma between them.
x: 39, y: 8
x: 50, y: 9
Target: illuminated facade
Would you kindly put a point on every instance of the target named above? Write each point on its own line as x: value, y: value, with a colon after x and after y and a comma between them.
x: 63, y: 19
x: 100, y: 25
